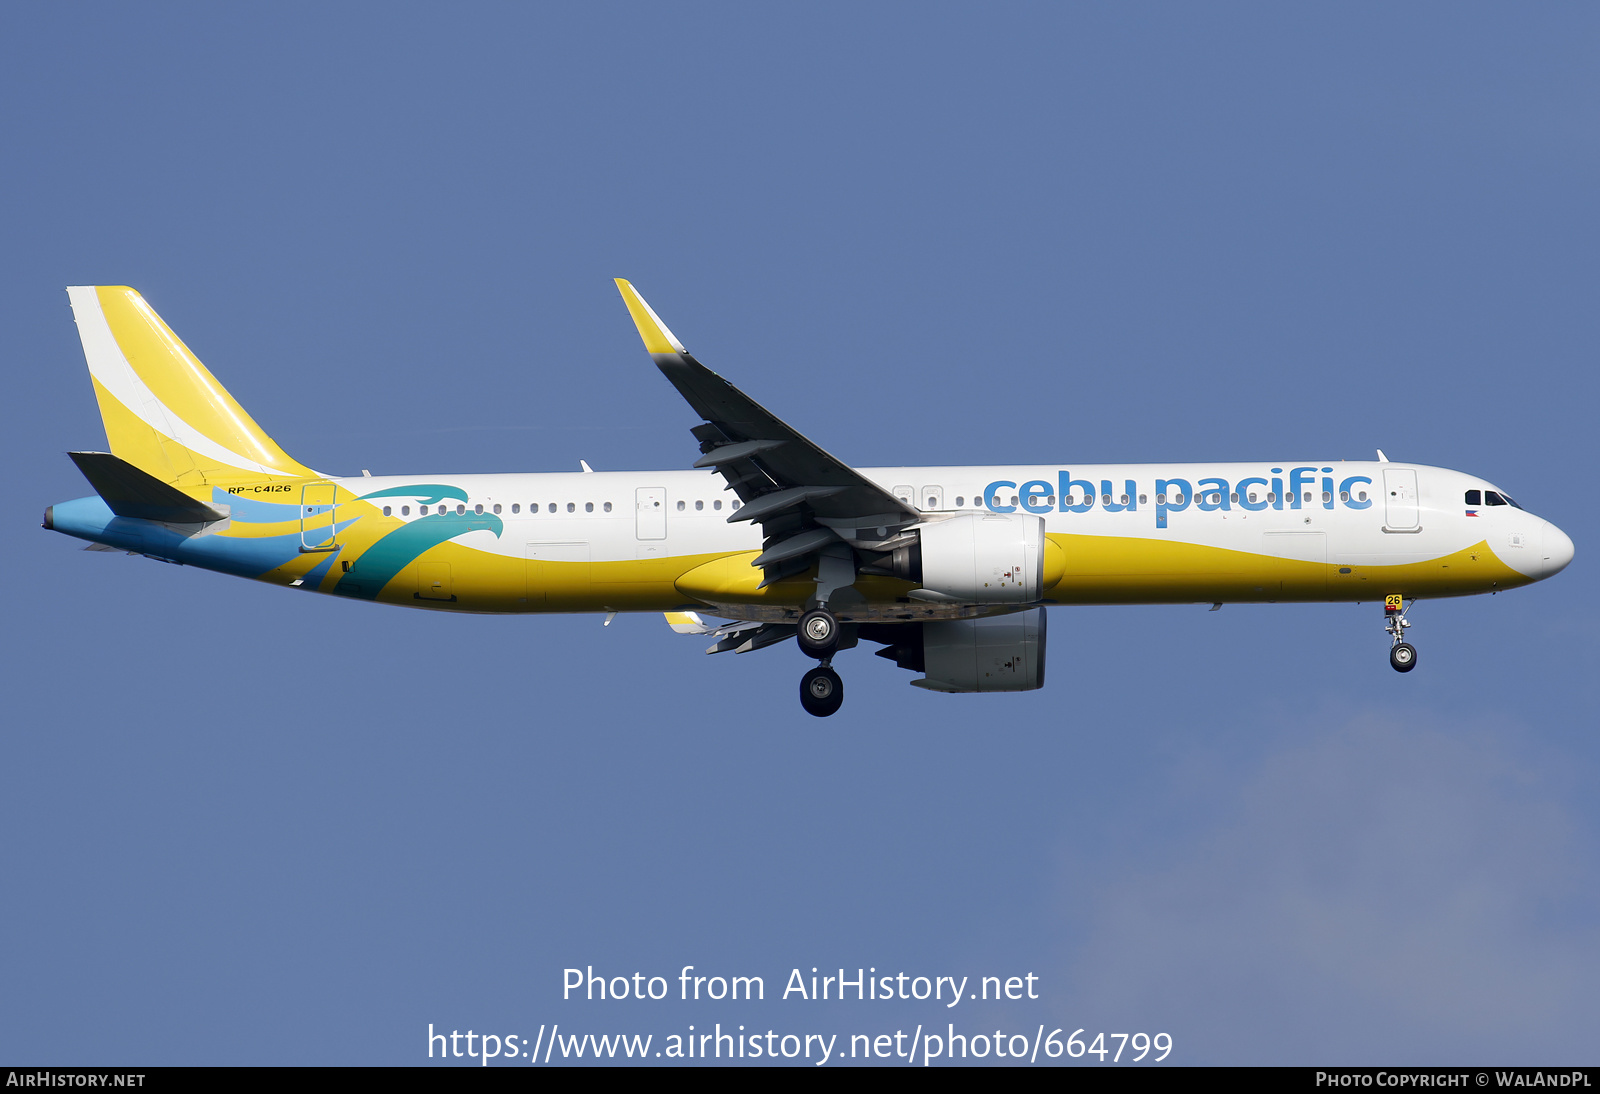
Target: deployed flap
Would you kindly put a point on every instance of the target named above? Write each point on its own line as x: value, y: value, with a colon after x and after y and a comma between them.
x: 130, y: 492
x: 784, y: 458
x: 786, y: 483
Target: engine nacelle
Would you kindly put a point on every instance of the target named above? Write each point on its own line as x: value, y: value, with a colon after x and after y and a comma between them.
x: 999, y: 653
x: 985, y: 558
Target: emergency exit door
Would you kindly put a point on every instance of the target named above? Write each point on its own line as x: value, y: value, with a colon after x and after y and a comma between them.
x: 650, y: 512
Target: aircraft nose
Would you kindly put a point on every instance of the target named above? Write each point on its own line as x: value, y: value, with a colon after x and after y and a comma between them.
x: 1557, y: 550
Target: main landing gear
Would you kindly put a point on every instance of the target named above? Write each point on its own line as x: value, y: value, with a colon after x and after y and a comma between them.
x: 821, y: 690
x: 1402, y: 654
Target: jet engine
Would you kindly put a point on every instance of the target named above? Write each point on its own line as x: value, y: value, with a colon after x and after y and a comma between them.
x: 996, y: 653
x: 983, y: 558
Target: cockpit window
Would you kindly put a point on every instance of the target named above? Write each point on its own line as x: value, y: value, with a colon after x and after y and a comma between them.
x: 1511, y: 501
x: 1491, y: 498
x: 1474, y: 497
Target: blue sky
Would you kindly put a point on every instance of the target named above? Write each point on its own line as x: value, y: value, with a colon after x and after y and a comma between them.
x: 243, y: 826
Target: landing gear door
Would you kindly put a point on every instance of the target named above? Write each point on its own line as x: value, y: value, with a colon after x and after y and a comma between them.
x: 650, y: 512
x: 1400, y: 498
x: 317, y: 502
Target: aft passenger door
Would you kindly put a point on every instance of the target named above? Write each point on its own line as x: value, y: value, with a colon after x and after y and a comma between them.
x: 317, y: 502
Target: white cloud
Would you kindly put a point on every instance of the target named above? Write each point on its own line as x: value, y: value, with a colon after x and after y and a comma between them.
x: 1380, y: 892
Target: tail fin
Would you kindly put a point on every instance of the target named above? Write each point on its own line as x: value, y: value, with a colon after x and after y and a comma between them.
x: 163, y: 411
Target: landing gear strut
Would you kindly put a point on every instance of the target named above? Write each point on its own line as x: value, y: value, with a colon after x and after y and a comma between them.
x: 1402, y: 654
x: 821, y: 691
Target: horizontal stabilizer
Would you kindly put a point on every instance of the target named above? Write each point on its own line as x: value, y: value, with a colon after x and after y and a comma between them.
x: 130, y: 492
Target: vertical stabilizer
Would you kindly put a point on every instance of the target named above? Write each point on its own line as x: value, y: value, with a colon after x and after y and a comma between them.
x: 163, y: 410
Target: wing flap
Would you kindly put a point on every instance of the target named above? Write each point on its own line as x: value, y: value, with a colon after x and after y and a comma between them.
x: 787, y: 484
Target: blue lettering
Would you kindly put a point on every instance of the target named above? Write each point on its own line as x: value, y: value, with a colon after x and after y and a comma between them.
x: 992, y: 499
x: 1353, y: 503
x: 1164, y: 500
x: 1033, y: 494
x: 1297, y: 480
x: 1277, y: 489
x: 1218, y: 487
x: 1070, y: 486
x: 1244, y: 494
x: 1112, y: 506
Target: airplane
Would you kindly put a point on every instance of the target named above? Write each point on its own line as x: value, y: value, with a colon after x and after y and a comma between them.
x: 951, y: 570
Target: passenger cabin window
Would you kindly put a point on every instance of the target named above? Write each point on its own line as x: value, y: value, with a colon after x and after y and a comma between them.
x: 386, y: 511
x: 680, y: 507
x: 717, y: 504
x: 699, y: 505
x: 960, y: 500
x: 405, y: 510
x: 1474, y: 497
x: 478, y: 509
x: 497, y: 507
x: 608, y: 507
x: 516, y: 507
x: 462, y: 509
x: 588, y: 507
x: 552, y: 507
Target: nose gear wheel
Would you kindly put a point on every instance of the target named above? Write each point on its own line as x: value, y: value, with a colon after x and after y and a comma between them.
x: 1402, y: 654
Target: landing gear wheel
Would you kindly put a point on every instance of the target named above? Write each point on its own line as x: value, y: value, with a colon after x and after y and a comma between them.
x: 818, y: 635
x: 821, y: 691
x: 1403, y: 656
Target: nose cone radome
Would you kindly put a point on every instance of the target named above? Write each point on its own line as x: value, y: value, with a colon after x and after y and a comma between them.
x: 1557, y: 550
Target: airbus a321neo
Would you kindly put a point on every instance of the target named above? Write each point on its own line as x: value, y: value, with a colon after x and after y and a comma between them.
x: 949, y: 569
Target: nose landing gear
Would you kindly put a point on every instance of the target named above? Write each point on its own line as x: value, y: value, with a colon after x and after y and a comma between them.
x: 1402, y: 654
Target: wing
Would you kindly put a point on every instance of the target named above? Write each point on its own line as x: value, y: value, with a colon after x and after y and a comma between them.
x: 806, y: 500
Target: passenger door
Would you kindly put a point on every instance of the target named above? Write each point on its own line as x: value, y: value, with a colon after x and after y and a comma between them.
x: 1400, y: 498
x: 317, y: 514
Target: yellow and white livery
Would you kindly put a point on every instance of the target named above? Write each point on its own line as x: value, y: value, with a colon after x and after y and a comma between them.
x: 950, y: 569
